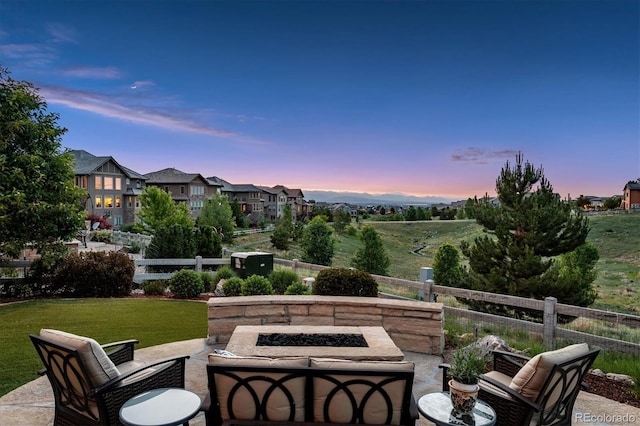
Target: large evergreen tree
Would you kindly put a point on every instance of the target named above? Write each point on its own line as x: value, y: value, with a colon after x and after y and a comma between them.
x: 39, y: 203
x: 372, y: 257
x: 318, y: 243
x: 530, y: 226
x: 217, y: 212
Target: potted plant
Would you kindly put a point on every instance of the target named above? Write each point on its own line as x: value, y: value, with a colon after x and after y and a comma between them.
x: 466, y: 366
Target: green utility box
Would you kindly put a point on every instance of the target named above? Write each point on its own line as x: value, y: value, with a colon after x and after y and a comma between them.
x: 252, y: 263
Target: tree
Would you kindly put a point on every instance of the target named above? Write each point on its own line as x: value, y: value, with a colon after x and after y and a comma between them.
x: 372, y: 257
x: 39, y: 203
x: 284, y: 229
x: 240, y: 218
x: 157, y: 209
x: 175, y: 241
x: 217, y: 212
x: 583, y: 202
x: 318, y: 243
x: 446, y: 266
x: 530, y: 226
x: 208, y: 242
x: 411, y: 214
x: 612, y: 202
x: 341, y: 219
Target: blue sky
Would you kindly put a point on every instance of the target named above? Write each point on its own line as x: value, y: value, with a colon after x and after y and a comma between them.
x: 429, y: 98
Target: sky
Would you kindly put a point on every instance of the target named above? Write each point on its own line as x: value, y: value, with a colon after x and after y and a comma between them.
x: 428, y: 98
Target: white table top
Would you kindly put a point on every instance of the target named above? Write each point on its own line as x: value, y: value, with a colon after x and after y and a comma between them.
x: 160, y: 407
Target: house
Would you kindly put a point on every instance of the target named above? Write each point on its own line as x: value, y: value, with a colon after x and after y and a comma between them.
x: 295, y: 198
x: 190, y: 188
x: 249, y: 196
x: 274, y: 201
x: 631, y: 196
x: 113, y: 191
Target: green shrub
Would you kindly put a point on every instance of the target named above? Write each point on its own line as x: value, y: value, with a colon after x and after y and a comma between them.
x: 297, y: 289
x: 186, y: 283
x: 93, y: 274
x: 101, y: 236
x: 282, y: 279
x: 345, y: 282
x: 154, y: 287
x: 350, y: 230
x: 223, y: 273
x: 135, y: 248
x: 207, y: 281
x: 232, y: 286
x: 255, y: 285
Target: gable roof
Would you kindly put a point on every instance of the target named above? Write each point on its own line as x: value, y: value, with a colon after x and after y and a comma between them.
x: 172, y: 175
x: 87, y: 163
x: 632, y: 185
x: 291, y: 192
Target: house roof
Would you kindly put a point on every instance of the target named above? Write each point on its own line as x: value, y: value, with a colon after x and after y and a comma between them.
x: 87, y: 163
x: 632, y: 185
x: 269, y: 190
x: 171, y: 175
x: 225, y: 186
x: 291, y: 192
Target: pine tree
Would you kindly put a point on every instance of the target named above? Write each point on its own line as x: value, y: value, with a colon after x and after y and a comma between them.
x: 530, y: 226
x: 318, y: 244
x: 372, y: 257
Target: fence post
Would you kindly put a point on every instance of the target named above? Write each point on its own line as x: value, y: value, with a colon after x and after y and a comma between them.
x: 550, y: 321
x: 198, y: 263
x: 294, y: 265
x: 426, y: 273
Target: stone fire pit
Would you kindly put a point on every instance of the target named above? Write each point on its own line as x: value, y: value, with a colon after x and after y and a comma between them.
x: 379, y: 344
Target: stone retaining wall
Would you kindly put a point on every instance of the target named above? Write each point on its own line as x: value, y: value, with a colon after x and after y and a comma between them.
x: 412, y: 325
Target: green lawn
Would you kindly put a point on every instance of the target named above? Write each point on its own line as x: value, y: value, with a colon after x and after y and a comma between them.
x: 151, y: 321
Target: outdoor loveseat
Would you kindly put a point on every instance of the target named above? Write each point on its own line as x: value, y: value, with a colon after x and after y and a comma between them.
x: 535, y: 391
x: 291, y: 391
x: 91, y: 382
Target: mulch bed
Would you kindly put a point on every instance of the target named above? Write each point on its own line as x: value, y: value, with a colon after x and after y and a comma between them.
x: 612, y: 389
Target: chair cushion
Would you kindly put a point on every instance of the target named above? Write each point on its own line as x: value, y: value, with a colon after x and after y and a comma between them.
x: 243, y: 406
x: 99, y: 367
x: 340, y: 407
x: 532, y: 376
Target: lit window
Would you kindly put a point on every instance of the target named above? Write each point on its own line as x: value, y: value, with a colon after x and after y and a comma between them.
x: 129, y: 201
x: 118, y: 184
x: 108, y: 202
x: 98, y: 202
x: 118, y: 203
x: 98, y: 180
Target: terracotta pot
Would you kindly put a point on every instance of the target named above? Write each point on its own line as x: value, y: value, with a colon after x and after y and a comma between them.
x: 463, y: 396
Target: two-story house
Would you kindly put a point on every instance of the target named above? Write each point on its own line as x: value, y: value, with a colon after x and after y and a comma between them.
x: 112, y: 190
x: 631, y: 196
x: 190, y: 188
x: 250, y: 197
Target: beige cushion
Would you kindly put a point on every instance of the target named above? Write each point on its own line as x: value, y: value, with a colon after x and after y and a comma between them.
x: 529, y: 380
x: 278, y: 407
x: 340, y: 408
x: 99, y: 367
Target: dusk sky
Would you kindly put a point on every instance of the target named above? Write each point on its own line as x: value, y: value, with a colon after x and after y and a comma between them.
x: 429, y: 98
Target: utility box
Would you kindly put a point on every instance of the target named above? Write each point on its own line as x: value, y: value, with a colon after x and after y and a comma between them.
x: 252, y: 263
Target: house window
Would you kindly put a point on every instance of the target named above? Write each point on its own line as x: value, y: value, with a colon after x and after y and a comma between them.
x: 118, y: 202
x: 108, y: 202
x: 127, y: 181
x: 98, y: 182
x: 118, y: 182
x: 117, y: 220
x: 137, y: 202
x: 166, y: 189
x: 108, y: 183
x: 98, y: 202
x: 182, y: 189
x: 138, y: 184
x: 196, y: 190
x: 129, y: 201
x: 81, y: 182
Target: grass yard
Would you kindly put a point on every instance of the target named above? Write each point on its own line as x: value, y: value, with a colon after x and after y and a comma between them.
x: 151, y: 321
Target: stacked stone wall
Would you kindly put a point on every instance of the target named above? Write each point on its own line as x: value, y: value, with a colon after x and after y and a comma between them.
x: 412, y: 325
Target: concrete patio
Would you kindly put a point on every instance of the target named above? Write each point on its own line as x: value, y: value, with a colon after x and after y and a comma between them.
x: 32, y: 404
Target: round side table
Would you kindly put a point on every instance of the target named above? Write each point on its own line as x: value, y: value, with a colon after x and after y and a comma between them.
x: 160, y: 407
x: 437, y: 407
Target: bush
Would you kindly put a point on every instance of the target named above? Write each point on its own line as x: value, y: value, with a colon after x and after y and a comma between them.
x: 255, y: 285
x: 207, y: 281
x: 186, y: 283
x: 297, y: 289
x: 282, y: 279
x: 93, y: 274
x: 101, y: 236
x: 345, y: 282
x: 154, y: 287
x: 350, y: 230
x: 232, y: 286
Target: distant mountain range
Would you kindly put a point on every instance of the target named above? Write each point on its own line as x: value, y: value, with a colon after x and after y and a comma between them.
x: 364, y: 199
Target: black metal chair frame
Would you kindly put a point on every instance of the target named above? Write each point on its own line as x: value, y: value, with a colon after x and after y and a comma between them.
x: 563, y: 384
x: 409, y: 412
x: 64, y: 366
